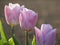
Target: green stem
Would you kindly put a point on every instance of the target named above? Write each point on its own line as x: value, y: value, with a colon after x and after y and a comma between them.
x: 12, y: 33
x: 14, y: 38
x: 27, y: 42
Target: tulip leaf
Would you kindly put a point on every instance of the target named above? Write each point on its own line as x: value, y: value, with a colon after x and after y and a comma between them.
x: 34, y: 41
x: 3, y: 38
x: 11, y: 42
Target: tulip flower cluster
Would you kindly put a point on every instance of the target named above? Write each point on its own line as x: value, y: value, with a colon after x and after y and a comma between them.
x: 16, y: 14
x: 27, y: 18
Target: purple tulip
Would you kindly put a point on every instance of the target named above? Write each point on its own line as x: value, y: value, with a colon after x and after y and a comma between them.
x: 28, y: 19
x: 46, y: 35
x: 12, y: 12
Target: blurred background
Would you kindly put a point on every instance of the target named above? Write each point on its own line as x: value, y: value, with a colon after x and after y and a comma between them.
x: 48, y: 12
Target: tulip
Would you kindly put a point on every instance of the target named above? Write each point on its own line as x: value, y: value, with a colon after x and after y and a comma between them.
x: 12, y: 12
x: 28, y: 19
x: 46, y: 35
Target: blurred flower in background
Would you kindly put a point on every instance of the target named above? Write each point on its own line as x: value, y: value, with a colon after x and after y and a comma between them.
x: 46, y: 35
x: 12, y: 12
x: 28, y: 19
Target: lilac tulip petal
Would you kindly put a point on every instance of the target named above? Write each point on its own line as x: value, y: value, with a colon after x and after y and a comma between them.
x: 33, y: 17
x: 46, y: 28
x: 12, y: 6
x: 7, y: 11
x: 39, y: 36
x: 51, y: 38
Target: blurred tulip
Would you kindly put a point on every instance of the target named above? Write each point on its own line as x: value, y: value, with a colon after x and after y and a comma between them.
x: 46, y: 35
x: 28, y: 19
x: 12, y: 12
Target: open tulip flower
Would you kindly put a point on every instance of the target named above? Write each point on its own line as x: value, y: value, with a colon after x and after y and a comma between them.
x: 28, y: 19
x: 12, y: 12
x: 46, y: 35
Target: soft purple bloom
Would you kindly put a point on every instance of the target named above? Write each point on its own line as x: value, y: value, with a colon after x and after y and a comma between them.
x: 28, y: 19
x: 12, y: 12
x: 46, y: 35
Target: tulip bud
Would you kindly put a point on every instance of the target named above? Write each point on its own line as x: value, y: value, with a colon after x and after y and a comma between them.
x: 12, y: 12
x: 46, y: 35
x: 28, y: 19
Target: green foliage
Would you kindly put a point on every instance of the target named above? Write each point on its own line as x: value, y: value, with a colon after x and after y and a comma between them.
x: 3, y: 38
x: 34, y: 41
x: 11, y: 42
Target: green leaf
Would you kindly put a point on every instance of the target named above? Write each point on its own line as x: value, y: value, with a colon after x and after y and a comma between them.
x: 3, y: 38
x: 34, y: 41
x: 11, y: 42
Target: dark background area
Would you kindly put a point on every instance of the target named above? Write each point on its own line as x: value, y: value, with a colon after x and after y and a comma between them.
x: 48, y: 12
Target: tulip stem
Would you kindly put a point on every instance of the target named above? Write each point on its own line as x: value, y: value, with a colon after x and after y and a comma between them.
x: 12, y: 31
x: 13, y: 36
x: 27, y: 42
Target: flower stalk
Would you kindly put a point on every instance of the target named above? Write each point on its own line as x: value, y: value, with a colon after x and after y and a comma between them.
x: 13, y: 36
x: 27, y: 38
